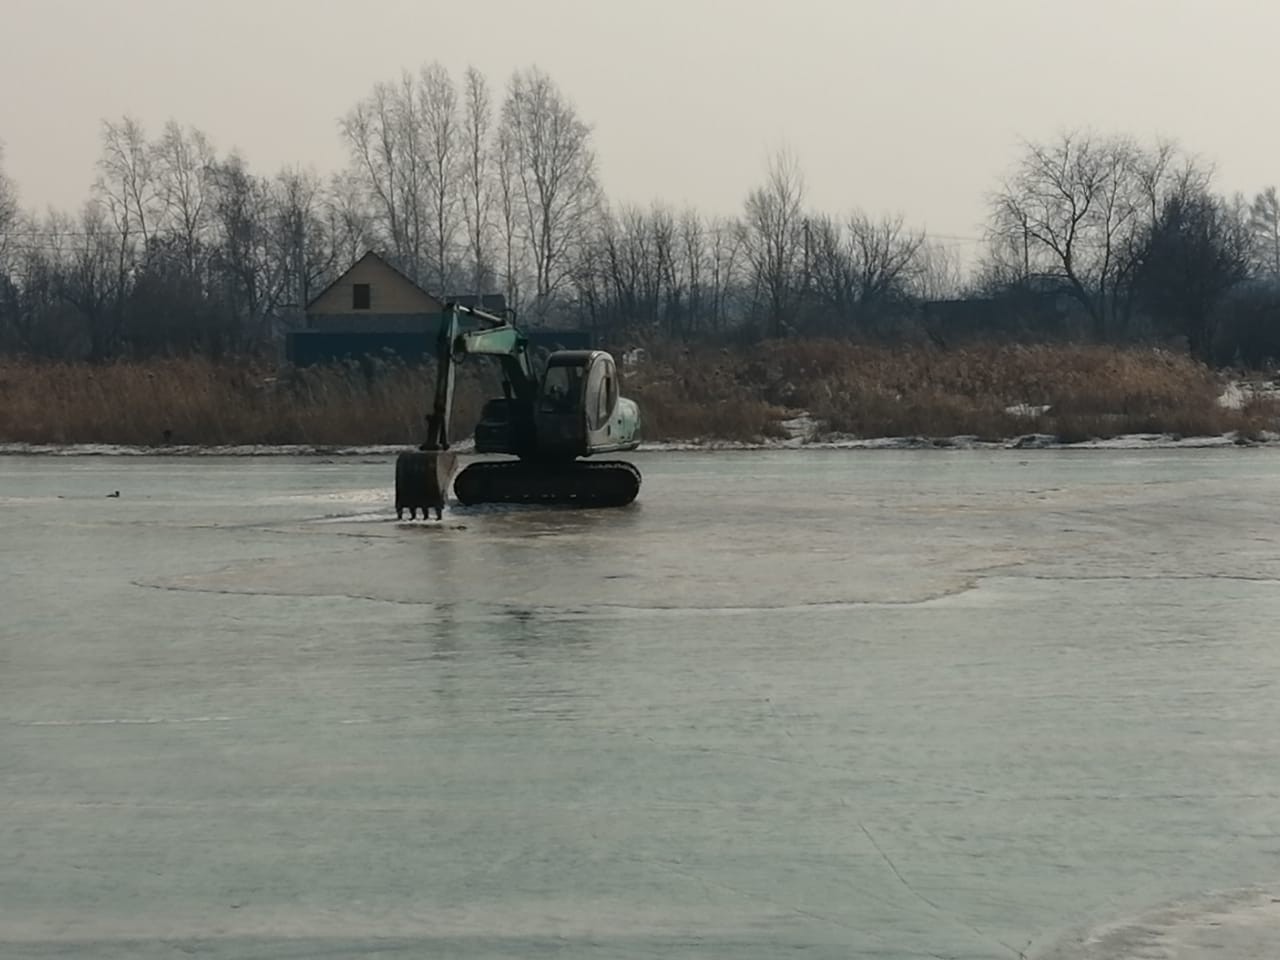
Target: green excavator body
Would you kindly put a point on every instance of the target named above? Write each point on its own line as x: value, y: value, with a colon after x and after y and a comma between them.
x: 550, y: 423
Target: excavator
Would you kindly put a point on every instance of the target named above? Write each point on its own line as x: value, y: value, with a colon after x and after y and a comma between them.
x: 547, y: 423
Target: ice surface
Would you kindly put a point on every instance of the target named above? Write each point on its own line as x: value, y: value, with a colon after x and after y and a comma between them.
x: 890, y: 703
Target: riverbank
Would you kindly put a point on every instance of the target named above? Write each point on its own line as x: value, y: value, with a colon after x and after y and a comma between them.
x: 1137, y: 441
x: 792, y: 393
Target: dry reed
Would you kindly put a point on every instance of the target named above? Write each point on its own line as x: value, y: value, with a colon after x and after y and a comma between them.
x: 197, y: 401
x: 1071, y: 391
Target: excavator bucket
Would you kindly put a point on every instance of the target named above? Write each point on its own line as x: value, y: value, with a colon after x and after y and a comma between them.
x: 422, y: 481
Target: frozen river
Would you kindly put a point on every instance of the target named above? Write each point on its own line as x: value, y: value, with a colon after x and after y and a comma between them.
x: 832, y: 704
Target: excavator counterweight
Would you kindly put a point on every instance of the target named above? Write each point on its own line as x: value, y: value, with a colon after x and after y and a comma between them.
x: 548, y: 422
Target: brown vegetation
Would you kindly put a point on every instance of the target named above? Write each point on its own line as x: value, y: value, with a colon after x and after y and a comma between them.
x: 883, y: 391
x: 198, y: 401
x: 684, y: 394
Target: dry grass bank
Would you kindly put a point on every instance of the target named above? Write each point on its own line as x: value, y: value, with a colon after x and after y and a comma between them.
x: 196, y: 401
x: 699, y: 393
x: 875, y: 391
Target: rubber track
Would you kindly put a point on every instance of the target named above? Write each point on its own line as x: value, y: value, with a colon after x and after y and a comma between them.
x: 602, y: 483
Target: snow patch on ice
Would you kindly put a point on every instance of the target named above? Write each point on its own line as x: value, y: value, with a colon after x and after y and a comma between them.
x: 1031, y: 441
x: 1237, y: 393
x: 1233, y: 397
x: 346, y: 518
x: 225, y: 450
x: 802, y: 432
x: 369, y: 495
x: 801, y: 427
x: 1028, y: 410
x: 1041, y: 441
x: 1145, y: 441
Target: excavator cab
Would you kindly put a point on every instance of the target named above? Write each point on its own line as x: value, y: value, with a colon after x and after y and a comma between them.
x: 579, y: 410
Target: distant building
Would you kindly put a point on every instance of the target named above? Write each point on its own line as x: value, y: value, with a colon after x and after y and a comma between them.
x: 372, y: 296
x: 373, y: 308
x: 1039, y: 309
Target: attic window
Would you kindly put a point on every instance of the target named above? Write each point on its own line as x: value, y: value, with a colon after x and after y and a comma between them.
x: 359, y: 296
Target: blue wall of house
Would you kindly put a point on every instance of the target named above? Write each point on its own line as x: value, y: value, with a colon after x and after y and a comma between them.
x: 307, y: 347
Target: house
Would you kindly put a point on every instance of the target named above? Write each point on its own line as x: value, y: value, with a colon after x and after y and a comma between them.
x: 372, y: 296
x: 373, y: 308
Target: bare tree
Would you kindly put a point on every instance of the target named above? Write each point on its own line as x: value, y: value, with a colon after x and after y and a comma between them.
x: 650, y: 271
x: 477, y: 182
x: 834, y: 270
x: 940, y: 273
x: 555, y: 172
x: 642, y: 266
x: 128, y: 198
x: 691, y: 267
x: 591, y: 279
x: 183, y: 161
x: 772, y: 237
x: 407, y: 145
x: 29, y: 291
x: 374, y: 132
x: 304, y: 247
x: 350, y: 226
x: 254, y: 276
x: 513, y: 241
x: 724, y: 268
x: 31, y: 283
x: 8, y: 210
x: 127, y: 181
x: 93, y: 282
x: 412, y: 153
x: 620, y: 277
x: 1072, y: 205
x: 886, y: 259
x: 862, y: 268
x: 667, y: 290
x: 439, y: 100
x: 1264, y: 224
x: 1077, y: 212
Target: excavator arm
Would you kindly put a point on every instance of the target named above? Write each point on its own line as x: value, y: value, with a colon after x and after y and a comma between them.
x: 423, y: 477
x: 496, y: 338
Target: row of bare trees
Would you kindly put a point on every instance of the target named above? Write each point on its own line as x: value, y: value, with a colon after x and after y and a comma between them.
x: 469, y: 189
x: 466, y: 196
x: 1134, y: 236
x: 179, y: 247
x: 779, y: 269
x: 176, y: 248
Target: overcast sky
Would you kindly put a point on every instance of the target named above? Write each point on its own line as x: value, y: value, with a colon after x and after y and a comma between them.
x: 911, y: 106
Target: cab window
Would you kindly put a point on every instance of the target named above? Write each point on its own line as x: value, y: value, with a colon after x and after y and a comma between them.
x: 610, y: 388
x: 597, y: 413
x: 561, y: 389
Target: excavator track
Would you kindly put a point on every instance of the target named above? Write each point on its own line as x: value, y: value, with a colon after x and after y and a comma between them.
x: 604, y: 483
